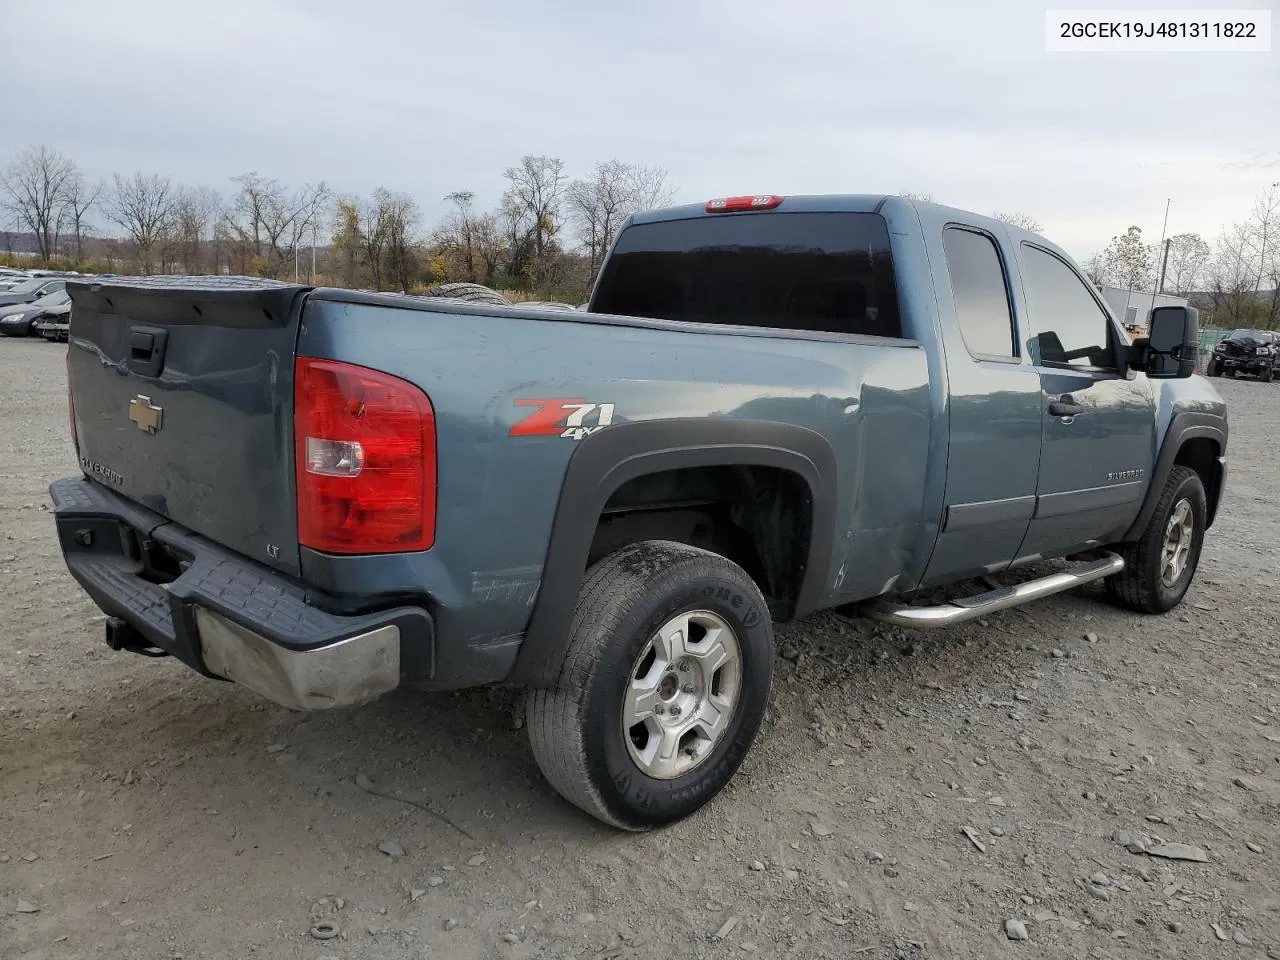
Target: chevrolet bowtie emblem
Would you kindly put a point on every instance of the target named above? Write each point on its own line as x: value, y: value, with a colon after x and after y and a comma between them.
x: 145, y: 414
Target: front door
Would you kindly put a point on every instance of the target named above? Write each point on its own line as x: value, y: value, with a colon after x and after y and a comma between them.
x: 995, y: 420
x: 1099, y: 425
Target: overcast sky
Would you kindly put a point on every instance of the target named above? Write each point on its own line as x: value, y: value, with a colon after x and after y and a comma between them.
x: 730, y: 96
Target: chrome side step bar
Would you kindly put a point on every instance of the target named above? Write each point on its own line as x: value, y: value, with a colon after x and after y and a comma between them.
x: 970, y: 608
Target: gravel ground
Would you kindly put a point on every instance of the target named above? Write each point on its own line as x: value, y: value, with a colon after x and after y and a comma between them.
x: 147, y: 812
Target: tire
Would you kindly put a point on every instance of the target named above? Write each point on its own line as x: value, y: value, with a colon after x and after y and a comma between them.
x: 1268, y: 374
x: 1213, y: 370
x: 579, y: 736
x: 547, y: 305
x: 469, y: 292
x: 1142, y: 586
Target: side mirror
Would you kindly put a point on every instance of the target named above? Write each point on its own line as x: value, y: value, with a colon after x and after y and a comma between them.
x: 1169, y: 349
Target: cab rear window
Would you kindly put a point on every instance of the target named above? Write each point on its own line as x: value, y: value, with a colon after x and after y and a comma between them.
x: 827, y: 272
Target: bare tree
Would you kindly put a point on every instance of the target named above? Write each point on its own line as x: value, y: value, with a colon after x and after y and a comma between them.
x: 308, y: 209
x: 399, y: 216
x: 535, y: 192
x: 457, y: 234
x: 1185, y: 266
x: 34, y: 191
x: 78, y: 198
x: 599, y: 204
x: 1095, y: 268
x: 1231, y: 274
x: 249, y: 209
x: 918, y: 197
x: 142, y: 205
x: 1023, y: 220
x: 653, y: 188
x: 196, y: 214
x: 517, y: 239
x: 373, y: 230
x: 490, y: 246
x: 1128, y: 259
x: 1264, y: 231
x: 348, y: 239
x: 270, y: 221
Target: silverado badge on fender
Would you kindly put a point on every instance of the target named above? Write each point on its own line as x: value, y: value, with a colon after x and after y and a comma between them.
x: 146, y: 414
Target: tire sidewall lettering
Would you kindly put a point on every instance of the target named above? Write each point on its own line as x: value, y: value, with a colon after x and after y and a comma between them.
x: 631, y: 789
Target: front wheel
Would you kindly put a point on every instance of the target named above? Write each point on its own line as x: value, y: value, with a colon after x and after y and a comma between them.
x: 1160, y: 566
x: 663, y: 689
x: 1268, y: 374
x: 1212, y: 369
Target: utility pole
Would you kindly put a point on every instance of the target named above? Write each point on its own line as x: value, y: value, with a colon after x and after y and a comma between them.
x: 1163, y: 233
x: 312, y: 278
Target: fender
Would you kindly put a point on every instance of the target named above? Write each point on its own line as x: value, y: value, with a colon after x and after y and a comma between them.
x: 604, y: 461
x: 1183, y: 427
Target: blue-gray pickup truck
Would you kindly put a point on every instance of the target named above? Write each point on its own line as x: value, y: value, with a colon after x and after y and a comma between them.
x: 771, y: 406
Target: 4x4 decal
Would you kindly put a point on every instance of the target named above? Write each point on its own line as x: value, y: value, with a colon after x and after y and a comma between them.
x: 568, y: 417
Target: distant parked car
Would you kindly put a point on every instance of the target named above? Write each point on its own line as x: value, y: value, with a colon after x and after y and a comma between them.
x: 1255, y: 352
x: 32, y: 289
x: 55, y: 323
x: 20, y: 319
x: 11, y: 278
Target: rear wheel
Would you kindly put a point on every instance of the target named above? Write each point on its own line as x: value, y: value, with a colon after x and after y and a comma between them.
x: 1160, y: 566
x: 663, y: 688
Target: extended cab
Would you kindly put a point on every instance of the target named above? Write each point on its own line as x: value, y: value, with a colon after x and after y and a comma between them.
x: 772, y: 406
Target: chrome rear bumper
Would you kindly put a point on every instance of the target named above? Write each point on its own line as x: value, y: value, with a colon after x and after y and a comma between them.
x: 349, y: 672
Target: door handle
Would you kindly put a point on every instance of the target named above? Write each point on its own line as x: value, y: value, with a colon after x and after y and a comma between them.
x: 1065, y: 406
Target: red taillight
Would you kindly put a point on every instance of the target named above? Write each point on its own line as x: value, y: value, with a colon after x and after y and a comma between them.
x: 71, y: 407
x: 737, y: 204
x: 365, y: 451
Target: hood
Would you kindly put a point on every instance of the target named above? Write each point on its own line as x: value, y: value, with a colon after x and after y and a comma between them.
x: 13, y: 309
x: 8, y: 299
x: 1249, y: 340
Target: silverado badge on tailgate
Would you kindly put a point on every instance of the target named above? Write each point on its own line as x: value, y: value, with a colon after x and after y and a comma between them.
x: 146, y: 414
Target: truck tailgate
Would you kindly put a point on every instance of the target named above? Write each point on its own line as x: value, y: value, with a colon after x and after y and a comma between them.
x: 182, y: 396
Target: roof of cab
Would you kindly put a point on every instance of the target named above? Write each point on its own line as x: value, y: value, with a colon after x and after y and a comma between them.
x: 929, y: 212
x: 818, y: 203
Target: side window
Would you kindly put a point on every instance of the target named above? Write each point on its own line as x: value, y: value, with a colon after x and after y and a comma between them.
x: 1069, y: 328
x: 980, y: 294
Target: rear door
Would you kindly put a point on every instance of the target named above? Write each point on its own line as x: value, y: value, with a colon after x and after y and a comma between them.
x: 1099, y: 420
x: 995, y: 410
x: 183, y: 400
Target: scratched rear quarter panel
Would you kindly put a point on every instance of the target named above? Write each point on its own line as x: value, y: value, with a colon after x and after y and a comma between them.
x: 497, y: 495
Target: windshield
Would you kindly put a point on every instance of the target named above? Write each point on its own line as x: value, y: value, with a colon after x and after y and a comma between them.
x: 827, y: 272
x: 55, y: 299
x: 1247, y: 335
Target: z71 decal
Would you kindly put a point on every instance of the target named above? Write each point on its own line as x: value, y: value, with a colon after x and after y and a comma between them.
x: 570, y: 418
